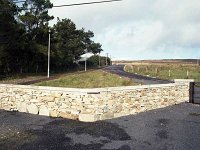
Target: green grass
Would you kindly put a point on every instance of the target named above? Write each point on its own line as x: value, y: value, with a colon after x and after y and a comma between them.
x: 94, y: 79
x: 177, y: 71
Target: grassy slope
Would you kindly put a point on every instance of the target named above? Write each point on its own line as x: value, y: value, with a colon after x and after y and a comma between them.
x: 94, y: 79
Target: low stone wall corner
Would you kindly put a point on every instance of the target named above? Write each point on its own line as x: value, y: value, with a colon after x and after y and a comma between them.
x: 91, y: 105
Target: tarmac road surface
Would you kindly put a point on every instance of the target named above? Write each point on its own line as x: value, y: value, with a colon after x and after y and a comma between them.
x: 119, y: 70
x: 172, y: 128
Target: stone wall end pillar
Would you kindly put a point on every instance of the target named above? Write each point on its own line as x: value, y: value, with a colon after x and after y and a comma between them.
x: 183, y: 81
x: 190, y: 84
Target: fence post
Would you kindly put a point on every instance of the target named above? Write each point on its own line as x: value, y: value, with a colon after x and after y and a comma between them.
x: 191, y: 92
x: 169, y: 73
x: 187, y: 74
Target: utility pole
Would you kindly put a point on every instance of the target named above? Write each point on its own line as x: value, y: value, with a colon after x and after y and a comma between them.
x: 86, y: 59
x: 107, y: 59
x: 99, y: 59
x: 49, y: 54
x: 110, y: 60
x: 85, y: 63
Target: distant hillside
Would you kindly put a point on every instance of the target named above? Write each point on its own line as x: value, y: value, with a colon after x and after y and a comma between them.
x: 190, y: 61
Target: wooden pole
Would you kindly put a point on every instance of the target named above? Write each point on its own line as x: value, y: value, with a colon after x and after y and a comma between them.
x: 156, y: 71
x: 187, y: 74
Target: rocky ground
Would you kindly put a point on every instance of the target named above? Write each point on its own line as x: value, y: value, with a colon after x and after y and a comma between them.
x: 175, y: 127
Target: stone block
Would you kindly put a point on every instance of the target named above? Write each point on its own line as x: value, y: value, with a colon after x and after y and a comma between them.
x: 90, y: 110
x: 22, y: 107
x: 34, y: 100
x: 47, y: 98
x: 54, y: 113
x: 32, y: 108
x: 88, y: 117
x: 7, y: 108
x: 68, y: 116
x: 63, y: 106
x: 44, y: 111
x: 132, y: 112
x: 51, y: 104
x: 117, y: 115
x: 117, y: 109
x: 75, y: 112
x: 56, y: 95
x: 108, y: 115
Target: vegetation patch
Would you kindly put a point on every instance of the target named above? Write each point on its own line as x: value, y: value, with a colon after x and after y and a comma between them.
x: 94, y: 79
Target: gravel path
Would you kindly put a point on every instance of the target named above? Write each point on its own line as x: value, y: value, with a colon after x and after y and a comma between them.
x: 170, y: 128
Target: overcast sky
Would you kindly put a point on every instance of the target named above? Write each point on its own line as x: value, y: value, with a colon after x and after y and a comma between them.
x: 139, y: 29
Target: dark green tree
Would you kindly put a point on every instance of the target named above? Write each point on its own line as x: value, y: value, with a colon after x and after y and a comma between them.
x: 69, y: 43
x: 11, y: 38
x: 24, y: 39
x: 95, y: 48
x: 34, y: 17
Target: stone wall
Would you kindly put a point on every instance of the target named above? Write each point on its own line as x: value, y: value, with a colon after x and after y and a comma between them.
x: 91, y: 104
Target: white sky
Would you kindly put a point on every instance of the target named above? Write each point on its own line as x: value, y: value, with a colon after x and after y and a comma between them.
x: 139, y: 29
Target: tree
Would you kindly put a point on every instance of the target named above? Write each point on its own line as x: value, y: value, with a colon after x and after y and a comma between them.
x: 94, y: 61
x: 24, y: 39
x: 95, y: 48
x: 10, y: 37
x: 34, y: 17
x: 70, y: 43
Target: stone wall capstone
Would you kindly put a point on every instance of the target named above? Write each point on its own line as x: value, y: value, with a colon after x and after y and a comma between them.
x: 92, y: 104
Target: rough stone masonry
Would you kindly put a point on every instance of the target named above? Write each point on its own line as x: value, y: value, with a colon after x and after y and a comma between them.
x: 92, y: 104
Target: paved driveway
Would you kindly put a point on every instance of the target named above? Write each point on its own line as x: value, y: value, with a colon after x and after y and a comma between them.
x: 171, y: 128
x: 119, y: 70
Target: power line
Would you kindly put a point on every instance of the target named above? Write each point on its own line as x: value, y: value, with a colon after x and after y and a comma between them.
x: 87, y: 3
x: 68, y: 5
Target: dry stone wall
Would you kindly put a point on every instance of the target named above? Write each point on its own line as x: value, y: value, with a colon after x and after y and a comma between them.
x: 91, y: 104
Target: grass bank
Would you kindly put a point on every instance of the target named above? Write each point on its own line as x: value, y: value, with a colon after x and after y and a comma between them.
x: 94, y: 79
x: 32, y: 77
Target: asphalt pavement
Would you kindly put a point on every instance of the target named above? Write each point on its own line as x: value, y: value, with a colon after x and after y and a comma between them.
x: 172, y: 128
x: 119, y: 70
